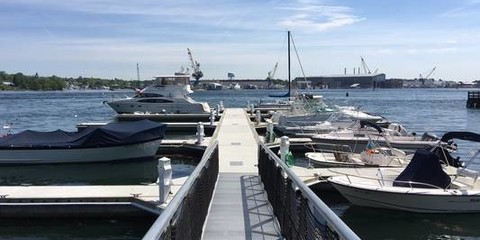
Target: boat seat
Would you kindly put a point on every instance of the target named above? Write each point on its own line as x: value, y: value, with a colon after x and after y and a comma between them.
x: 341, y: 156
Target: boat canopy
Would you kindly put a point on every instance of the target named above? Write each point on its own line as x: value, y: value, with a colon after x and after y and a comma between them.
x: 423, y: 171
x: 469, y: 136
x: 364, y: 123
x: 111, y: 134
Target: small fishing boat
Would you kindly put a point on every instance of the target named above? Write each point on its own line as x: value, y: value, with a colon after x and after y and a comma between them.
x: 111, y: 142
x: 425, y: 185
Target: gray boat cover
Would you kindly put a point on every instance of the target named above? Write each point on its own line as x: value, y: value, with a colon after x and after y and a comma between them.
x: 111, y: 134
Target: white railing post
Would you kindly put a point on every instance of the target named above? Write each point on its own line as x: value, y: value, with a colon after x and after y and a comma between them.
x: 284, y: 148
x: 164, y: 178
x: 200, y: 133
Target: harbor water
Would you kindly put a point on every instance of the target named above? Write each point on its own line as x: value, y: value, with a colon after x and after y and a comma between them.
x: 418, y: 110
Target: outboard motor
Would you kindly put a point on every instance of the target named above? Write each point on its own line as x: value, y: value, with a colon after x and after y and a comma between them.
x: 429, y: 137
x: 445, y: 157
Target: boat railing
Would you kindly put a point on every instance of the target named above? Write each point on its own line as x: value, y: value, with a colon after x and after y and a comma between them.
x: 177, y: 220
x: 328, y: 147
x: 300, y: 213
x: 382, y: 180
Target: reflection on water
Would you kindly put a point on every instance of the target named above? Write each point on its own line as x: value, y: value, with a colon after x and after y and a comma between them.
x: 372, y: 223
x: 390, y: 224
x: 83, y: 228
x: 112, y: 173
x: 109, y: 173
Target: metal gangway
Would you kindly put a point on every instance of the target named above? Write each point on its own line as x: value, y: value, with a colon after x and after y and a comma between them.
x: 242, y: 190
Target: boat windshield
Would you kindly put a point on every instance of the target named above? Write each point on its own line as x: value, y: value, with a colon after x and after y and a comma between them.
x: 148, y: 95
x: 172, y: 80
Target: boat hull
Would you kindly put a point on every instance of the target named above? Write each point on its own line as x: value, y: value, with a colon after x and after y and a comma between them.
x: 80, y: 155
x: 410, y: 199
x: 178, y: 106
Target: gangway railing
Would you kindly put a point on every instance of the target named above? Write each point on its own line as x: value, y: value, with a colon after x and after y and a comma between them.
x: 299, y: 211
x: 185, y: 215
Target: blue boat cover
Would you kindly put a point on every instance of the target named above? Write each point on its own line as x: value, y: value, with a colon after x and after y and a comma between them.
x: 424, y: 168
x: 111, y: 134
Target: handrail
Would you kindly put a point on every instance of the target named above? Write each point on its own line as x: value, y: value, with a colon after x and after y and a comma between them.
x: 163, y: 220
x: 334, y: 221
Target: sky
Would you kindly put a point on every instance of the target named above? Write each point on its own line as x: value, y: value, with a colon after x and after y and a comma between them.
x: 107, y: 38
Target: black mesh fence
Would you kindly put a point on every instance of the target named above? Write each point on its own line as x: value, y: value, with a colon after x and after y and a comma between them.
x: 292, y: 209
x: 188, y: 220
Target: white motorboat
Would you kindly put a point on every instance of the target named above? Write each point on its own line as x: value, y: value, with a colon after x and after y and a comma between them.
x: 375, y: 157
x: 167, y: 94
x: 306, y: 118
x: 424, y: 186
x: 358, y: 140
x: 111, y: 142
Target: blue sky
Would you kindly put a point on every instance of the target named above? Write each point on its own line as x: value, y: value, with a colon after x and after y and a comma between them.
x: 107, y: 38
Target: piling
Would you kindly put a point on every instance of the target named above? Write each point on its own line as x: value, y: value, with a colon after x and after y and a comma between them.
x: 269, y: 131
x: 473, y: 100
x: 164, y: 178
x: 212, y: 117
x: 200, y: 133
x: 284, y: 148
x: 258, y: 117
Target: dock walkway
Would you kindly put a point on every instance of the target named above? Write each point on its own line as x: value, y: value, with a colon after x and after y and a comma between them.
x: 239, y: 208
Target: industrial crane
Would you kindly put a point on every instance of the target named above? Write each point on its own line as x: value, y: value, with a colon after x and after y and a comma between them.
x: 271, y: 74
x: 428, y: 75
x: 196, y: 72
x: 365, y: 67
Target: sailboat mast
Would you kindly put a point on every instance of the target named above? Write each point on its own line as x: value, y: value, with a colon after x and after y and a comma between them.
x: 289, y: 80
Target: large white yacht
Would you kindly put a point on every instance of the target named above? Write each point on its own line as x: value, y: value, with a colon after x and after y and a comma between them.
x: 167, y: 94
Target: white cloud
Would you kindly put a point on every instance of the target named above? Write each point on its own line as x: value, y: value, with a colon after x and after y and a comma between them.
x: 310, y: 17
x: 469, y: 8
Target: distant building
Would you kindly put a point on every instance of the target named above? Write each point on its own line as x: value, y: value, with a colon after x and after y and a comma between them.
x: 343, y: 81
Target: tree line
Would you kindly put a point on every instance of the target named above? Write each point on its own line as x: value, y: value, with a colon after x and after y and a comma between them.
x: 21, y: 82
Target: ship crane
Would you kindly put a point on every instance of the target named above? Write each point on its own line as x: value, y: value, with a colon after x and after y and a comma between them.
x: 196, y: 72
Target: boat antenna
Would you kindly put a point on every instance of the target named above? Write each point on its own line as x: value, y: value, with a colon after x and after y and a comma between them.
x: 138, y: 75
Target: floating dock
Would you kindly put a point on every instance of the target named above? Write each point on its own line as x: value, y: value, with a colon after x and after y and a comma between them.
x: 239, y: 209
x: 168, y: 117
x: 56, y: 201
